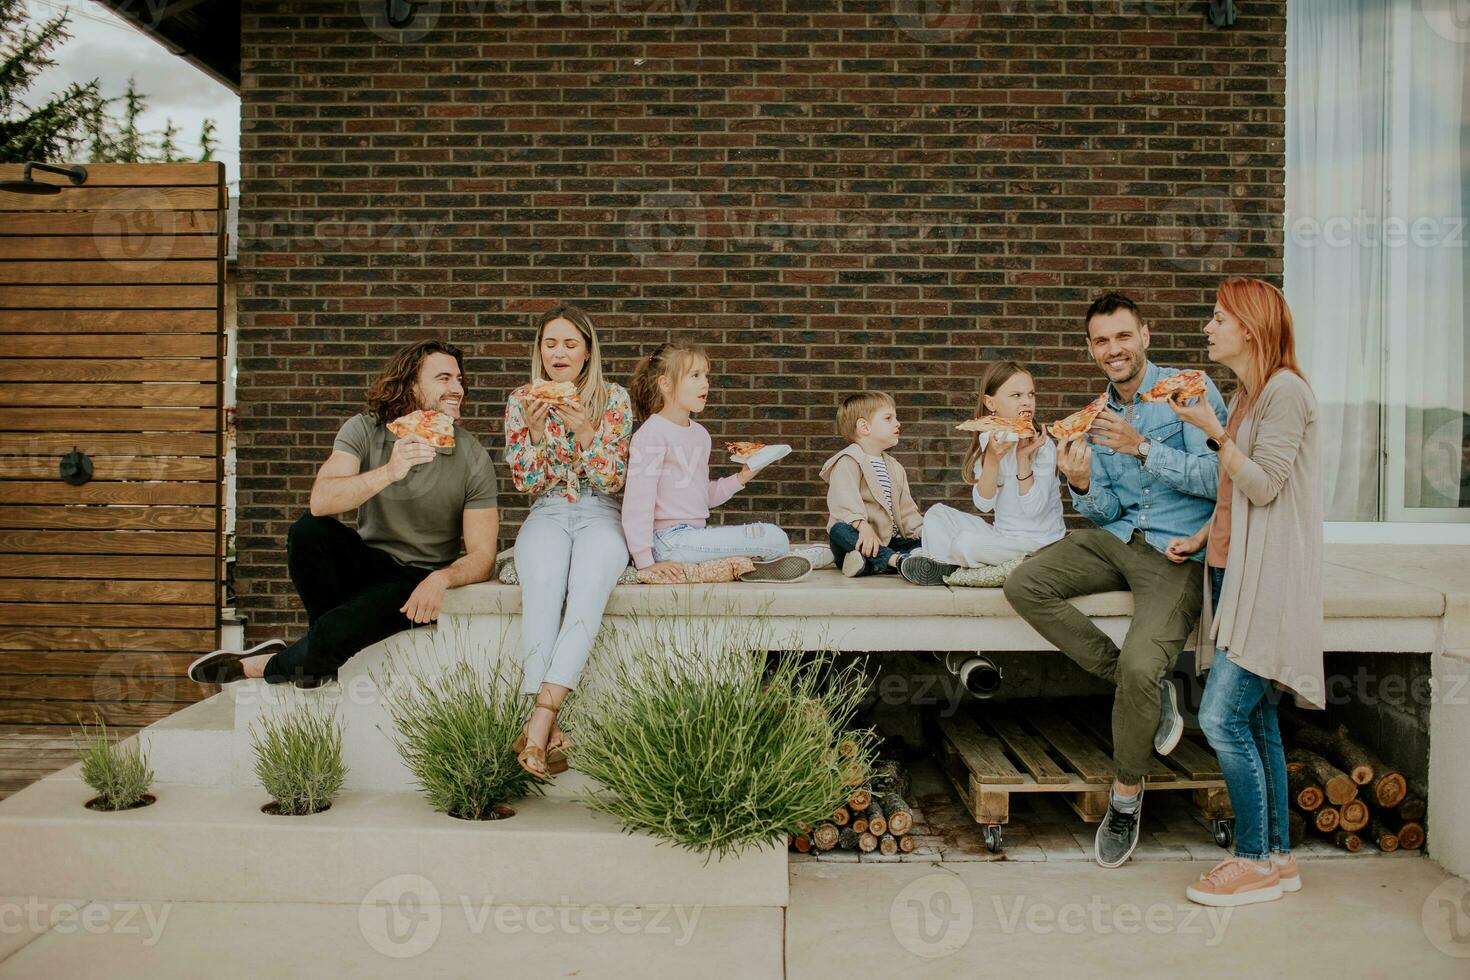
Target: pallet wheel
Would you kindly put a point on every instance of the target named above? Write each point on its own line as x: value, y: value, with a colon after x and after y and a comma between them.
x: 1224, y: 831
x: 992, y: 838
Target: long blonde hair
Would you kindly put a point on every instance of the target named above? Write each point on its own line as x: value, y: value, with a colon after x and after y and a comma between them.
x: 673, y: 360
x: 996, y: 375
x: 591, y: 388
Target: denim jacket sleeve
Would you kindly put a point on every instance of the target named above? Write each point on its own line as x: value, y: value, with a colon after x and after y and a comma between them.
x: 1195, y: 469
x: 1099, y: 504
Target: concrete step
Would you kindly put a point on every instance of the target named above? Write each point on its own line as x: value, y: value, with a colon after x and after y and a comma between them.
x: 212, y: 844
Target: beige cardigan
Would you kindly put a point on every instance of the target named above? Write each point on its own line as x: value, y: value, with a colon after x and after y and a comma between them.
x: 1270, y: 615
x: 854, y: 494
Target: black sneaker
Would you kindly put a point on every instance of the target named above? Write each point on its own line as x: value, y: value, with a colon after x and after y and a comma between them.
x: 787, y: 568
x: 922, y: 570
x: 223, y: 666
x: 1117, y: 835
x: 1171, y: 722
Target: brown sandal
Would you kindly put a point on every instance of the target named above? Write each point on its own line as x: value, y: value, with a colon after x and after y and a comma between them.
x: 547, y: 765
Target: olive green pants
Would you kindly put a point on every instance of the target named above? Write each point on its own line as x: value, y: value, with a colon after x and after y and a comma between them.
x: 1166, y: 607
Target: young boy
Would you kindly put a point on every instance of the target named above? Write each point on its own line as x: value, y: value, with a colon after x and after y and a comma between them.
x: 872, y: 520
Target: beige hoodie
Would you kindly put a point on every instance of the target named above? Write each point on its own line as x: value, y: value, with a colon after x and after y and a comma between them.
x: 854, y: 494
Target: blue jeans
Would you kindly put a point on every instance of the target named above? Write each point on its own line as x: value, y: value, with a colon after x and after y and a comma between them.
x: 682, y: 543
x: 568, y: 558
x: 1238, y: 716
x: 844, y: 538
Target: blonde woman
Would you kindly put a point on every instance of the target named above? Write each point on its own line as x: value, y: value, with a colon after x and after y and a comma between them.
x: 572, y: 457
x: 1261, y: 633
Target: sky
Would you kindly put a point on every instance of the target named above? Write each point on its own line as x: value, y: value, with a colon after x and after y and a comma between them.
x: 104, y: 46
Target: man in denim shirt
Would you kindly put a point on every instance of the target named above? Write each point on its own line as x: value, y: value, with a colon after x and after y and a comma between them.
x: 1142, y: 477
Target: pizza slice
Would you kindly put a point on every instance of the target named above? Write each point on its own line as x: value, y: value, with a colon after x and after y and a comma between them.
x: 1184, y: 386
x: 743, y: 450
x: 1079, y: 422
x: 1005, y: 429
x: 435, y: 428
x: 552, y: 393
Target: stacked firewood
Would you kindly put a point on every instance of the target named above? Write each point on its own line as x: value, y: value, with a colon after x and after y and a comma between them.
x: 1348, y: 795
x: 875, y: 817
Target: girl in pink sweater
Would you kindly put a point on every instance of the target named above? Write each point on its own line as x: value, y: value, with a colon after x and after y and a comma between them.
x: 668, y: 494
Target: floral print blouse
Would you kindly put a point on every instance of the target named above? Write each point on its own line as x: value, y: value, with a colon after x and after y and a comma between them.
x: 558, y: 462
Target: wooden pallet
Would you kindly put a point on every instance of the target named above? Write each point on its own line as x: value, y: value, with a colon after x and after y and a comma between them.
x: 999, y: 751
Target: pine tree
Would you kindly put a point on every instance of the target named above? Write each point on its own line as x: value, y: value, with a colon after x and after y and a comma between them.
x: 57, y: 128
x: 207, y: 143
x: 168, y: 143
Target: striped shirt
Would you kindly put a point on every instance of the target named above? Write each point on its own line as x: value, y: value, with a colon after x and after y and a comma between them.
x: 880, y: 469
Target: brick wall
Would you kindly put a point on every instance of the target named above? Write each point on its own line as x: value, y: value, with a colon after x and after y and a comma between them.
x: 831, y: 196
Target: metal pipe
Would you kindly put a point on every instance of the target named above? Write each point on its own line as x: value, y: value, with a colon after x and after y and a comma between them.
x: 977, y: 672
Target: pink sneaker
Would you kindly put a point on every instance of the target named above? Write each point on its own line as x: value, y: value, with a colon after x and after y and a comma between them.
x: 1235, y: 881
x: 1291, y: 878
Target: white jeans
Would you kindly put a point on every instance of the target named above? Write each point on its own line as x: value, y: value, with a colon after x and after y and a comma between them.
x: 683, y: 543
x: 566, y: 554
x: 957, y: 538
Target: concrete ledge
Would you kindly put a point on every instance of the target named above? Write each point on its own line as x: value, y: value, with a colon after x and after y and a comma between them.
x: 207, y: 844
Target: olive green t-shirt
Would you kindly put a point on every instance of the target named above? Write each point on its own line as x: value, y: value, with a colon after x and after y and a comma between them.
x: 420, y: 519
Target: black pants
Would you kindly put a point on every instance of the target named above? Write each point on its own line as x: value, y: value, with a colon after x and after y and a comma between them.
x: 352, y: 595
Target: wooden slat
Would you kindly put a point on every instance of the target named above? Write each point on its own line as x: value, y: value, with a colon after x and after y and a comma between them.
x: 85, y: 322
x: 92, y: 247
x: 107, y: 542
x: 1099, y: 723
x: 154, y: 270
x: 32, y: 369
x: 50, y: 443
x: 31, y: 712
x: 101, y: 566
x: 75, y: 638
x: 121, y: 297
x: 131, y: 690
x: 67, y: 590
x: 56, y: 492
x: 981, y: 753
x: 210, y: 173
x: 182, y: 224
x: 106, y: 614
x: 105, y: 468
x: 140, y: 394
x: 1194, y: 761
x: 87, y: 663
x: 103, y: 518
x: 88, y: 198
x: 1028, y: 749
x: 113, y: 419
x: 1076, y: 749
x: 143, y: 394
x: 103, y: 345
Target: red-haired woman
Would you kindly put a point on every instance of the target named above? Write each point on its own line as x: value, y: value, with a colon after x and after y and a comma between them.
x: 1261, y: 630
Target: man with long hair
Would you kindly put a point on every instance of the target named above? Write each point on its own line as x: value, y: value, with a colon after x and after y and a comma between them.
x: 415, y: 502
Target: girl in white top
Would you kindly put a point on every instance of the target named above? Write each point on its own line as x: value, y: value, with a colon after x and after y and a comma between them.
x: 1014, y: 481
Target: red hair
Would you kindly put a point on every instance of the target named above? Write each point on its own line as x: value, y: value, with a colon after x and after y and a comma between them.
x: 1262, y: 312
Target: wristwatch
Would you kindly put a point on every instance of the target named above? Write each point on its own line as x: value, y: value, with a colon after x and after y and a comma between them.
x: 1143, y: 449
x: 1217, y: 444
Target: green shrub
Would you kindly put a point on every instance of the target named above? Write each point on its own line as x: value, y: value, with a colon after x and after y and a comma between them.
x: 703, y: 738
x: 454, y: 731
x: 298, y: 759
x: 118, y: 773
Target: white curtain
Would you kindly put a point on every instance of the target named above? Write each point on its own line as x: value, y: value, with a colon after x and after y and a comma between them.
x: 1434, y: 300
x: 1336, y: 135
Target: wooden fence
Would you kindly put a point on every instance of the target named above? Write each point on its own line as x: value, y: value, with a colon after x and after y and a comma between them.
x: 111, y: 343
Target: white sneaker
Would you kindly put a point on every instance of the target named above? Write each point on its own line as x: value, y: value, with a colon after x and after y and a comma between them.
x: 820, y: 555
x: 853, y: 564
x: 759, y: 461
